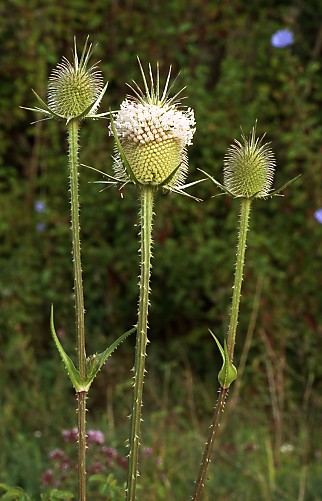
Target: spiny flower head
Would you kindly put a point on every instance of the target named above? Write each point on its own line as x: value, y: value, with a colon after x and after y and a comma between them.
x: 152, y: 134
x: 249, y: 167
x: 74, y: 90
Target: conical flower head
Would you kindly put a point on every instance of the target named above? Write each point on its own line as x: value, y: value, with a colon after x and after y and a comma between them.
x: 249, y: 168
x: 153, y: 133
x: 73, y: 89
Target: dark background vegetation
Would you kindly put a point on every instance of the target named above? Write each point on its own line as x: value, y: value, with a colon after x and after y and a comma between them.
x: 233, y: 76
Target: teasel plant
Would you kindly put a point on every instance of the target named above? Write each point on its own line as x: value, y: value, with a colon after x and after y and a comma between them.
x: 75, y: 91
x: 152, y: 132
x: 248, y: 175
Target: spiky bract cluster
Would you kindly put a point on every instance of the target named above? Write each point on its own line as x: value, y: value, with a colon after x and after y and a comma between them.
x: 154, y: 134
x: 249, y: 167
x: 73, y: 88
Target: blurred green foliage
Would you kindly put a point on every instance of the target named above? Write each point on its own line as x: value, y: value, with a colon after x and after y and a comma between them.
x: 233, y: 77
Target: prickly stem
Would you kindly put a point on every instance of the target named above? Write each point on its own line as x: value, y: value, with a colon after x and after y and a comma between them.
x: 81, y: 422
x: 146, y: 216
x: 238, y: 279
x: 73, y: 130
x: 245, y: 206
x: 206, y: 458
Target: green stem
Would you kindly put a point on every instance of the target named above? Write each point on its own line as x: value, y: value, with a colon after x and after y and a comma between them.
x: 73, y: 130
x: 240, y: 261
x: 146, y: 216
x: 231, y: 338
x: 206, y: 458
x: 81, y: 423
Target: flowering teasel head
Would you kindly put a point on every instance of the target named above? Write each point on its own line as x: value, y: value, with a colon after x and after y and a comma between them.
x: 152, y: 133
x: 249, y: 167
x: 74, y: 89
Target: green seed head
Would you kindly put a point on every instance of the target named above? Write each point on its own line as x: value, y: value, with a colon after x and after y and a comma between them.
x: 154, y: 134
x: 154, y: 161
x: 73, y: 88
x: 249, y: 168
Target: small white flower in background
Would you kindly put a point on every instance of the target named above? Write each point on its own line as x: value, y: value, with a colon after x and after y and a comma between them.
x: 287, y: 448
x: 153, y: 131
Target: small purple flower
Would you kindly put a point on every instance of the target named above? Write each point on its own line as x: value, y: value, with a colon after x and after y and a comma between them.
x: 250, y: 446
x: 96, y: 468
x: 70, y: 435
x: 282, y: 38
x: 60, y: 333
x: 40, y: 226
x: 147, y: 452
x: 122, y: 461
x: 48, y: 477
x: 64, y: 465
x: 40, y: 206
x: 95, y: 437
x: 56, y: 454
x: 318, y: 215
x: 111, y: 453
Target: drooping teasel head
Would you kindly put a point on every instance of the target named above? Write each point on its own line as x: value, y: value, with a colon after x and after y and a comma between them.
x: 153, y: 131
x: 73, y: 88
x: 249, y: 167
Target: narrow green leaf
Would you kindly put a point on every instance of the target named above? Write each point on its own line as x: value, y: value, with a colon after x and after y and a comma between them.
x: 146, y: 87
x: 228, y: 372
x: 99, y: 99
x: 221, y: 186
x: 219, y: 345
x: 14, y: 493
x: 37, y: 110
x: 114, y: 179
x: 87, y: 112
x: 82, y: 63
x: 184, y: 186
x: 96, y: 362
x: 170, y: 177
x: 73, y: 373
x: 47, y: 109
x: 180, y: 190
x: 122, y: 154
x: 276, y: 192
x: 58, y: 494
x: 81, y: 115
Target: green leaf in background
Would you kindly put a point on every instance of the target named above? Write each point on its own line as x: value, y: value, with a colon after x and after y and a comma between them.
x: 16, y: 493
x: 58, y: 494
x: 55, y: 494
